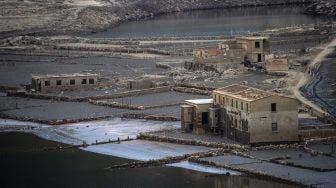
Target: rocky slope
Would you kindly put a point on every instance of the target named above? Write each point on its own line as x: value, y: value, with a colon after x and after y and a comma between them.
x: 138, y: 9
x: 322, y: 7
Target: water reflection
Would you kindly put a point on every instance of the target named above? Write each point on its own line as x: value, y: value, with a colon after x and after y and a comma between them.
x: 23, y: 164
x: 246, y: 182
x: 214, y: 22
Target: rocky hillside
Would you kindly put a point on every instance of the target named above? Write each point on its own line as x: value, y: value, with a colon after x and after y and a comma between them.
x: 138, y: 9
x: 322, y: 7
x: 35, y: 17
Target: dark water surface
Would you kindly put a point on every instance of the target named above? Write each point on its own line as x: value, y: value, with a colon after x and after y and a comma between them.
x: 233, y: 21
x: 23, y: 164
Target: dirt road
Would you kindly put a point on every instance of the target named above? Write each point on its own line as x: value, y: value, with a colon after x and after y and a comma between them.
x: 310, y: 76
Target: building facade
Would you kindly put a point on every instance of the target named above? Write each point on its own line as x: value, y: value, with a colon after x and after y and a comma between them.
x: 62, y: 82
x: 195, y: 115
x: 256, y: 48
x: 236, y: 51
x: 251, y: 116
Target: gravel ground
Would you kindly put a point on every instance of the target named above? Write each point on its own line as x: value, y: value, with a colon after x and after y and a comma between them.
x: 109, y: 66
x: 326, y: 148
x: 173, y: 111
x: 54, y: 110
x: 307, y: 177
x: 20, y: 73
x: 306, y: 159
x: 253, y: 79
x: 162, y: 98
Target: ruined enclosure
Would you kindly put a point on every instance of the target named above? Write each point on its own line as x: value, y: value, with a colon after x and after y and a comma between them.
x: 62, y: 82
x: 245, y: 50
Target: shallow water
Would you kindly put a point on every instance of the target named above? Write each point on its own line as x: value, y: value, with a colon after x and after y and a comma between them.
x: 227, y: 22
x: 23, y: 164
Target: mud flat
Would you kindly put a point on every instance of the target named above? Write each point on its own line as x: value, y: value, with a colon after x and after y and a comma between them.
x: 271, y: 170
x: 53, y: 112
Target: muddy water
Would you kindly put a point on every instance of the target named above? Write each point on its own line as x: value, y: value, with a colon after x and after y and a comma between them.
x: 233, y: 21
x: 23, y: 164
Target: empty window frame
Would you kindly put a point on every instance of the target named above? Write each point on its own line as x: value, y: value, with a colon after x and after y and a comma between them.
x: 259, y: 58
x: 91, y: 81
x: 275, y: 126
x: 59, y: 82
x: 247, y: 107
x: 84, y: 81
x: 257, y: 44
x: 236, y: 104
x: 245, y: 125
x: 72, y: 82
x: 47, y: 83
x: 242, y: 106
x: 273, y: 107
x: 231, y: 102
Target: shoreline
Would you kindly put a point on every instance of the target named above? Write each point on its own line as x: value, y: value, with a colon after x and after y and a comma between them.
x: 158, y: 152
x: 132, y: 12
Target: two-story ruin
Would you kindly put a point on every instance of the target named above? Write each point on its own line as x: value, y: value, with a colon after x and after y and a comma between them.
x: 61, y: 82
x: 236, y: 51
x: 243, y: 114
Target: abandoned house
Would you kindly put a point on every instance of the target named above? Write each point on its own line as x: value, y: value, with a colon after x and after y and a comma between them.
x: 61, y: 82
x: 244, y: 114
x: 235, y: 51
x: 256, y: 48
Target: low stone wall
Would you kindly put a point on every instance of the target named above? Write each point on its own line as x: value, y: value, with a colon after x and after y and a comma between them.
x: 192, y: 91
x: 9, y: 88
x: 113, y: 104
x: 81, y: 99
x: 280, y: 146
x: 116, y: 105
x: 195, y: 86
x: 149, y: 117
x: 315, y: 133
x: 52, y: 122
x: 167, y: 160
x: 318, y: 141
x: 148, y: 136
x: 84, y: 145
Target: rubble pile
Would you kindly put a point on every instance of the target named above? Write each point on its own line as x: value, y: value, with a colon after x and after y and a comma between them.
x: 322, y: 7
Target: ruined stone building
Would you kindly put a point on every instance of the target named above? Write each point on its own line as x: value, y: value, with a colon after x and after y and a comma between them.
x: 256, y: 48
x: 61, y: 82
x: 236, y: 51
x: 243, y: 114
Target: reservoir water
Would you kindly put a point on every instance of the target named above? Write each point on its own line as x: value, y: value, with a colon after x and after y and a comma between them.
x: 227, y: 22
x: 24, y: 164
